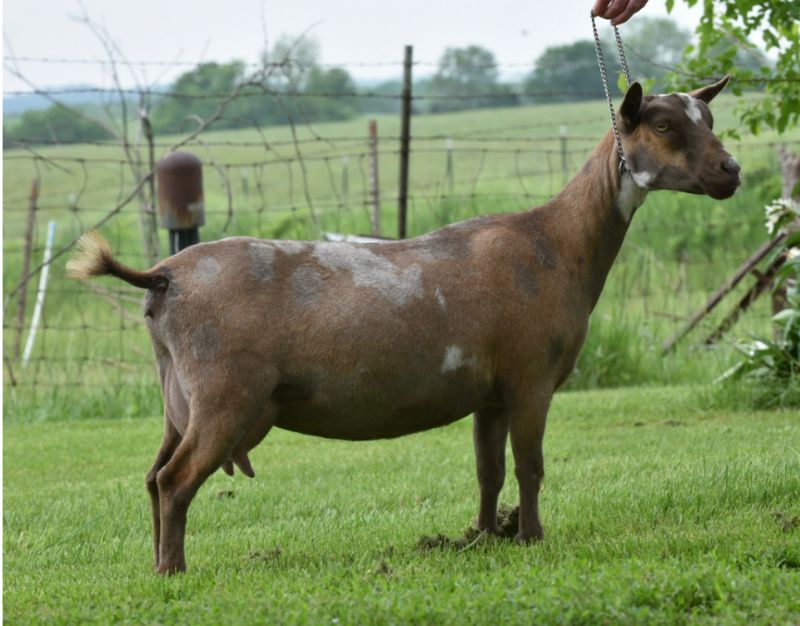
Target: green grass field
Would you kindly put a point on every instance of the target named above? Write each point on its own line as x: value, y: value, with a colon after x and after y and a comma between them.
x: 655, y: 512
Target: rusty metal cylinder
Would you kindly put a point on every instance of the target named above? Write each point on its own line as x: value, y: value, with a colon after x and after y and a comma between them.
x: 180, y: 191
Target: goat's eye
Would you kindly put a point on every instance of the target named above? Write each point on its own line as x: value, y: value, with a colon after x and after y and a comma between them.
x: 662, y: 127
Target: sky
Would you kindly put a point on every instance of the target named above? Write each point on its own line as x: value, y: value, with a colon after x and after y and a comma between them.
x: 361, y: 35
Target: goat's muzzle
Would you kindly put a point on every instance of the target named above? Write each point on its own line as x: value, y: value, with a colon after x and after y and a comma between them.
x: 730, y: 166
x: 722, y: 182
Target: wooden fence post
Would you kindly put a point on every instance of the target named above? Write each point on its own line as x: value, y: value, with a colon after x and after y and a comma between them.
x: 147, y: 209
x: 374, y: 188
x: 26, y: 263
x: 345, y: 184
x: 450, y: 168
x: 562, y: 135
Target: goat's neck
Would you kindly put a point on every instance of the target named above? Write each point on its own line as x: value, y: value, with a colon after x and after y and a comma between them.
x: 591, y: 216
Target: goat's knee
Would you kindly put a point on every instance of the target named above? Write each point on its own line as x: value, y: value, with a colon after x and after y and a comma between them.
x: 150, y: 483
x: 172, y: 487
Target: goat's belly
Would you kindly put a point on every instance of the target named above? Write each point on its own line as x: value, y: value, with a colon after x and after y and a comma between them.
x: 362, y: 416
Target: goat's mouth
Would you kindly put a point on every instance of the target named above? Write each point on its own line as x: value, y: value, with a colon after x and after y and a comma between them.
x: 723, y: 187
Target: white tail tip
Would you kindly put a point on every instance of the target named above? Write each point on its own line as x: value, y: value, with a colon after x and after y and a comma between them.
x: 91, y: 257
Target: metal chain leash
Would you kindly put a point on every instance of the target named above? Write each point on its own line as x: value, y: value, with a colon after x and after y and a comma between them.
x: 622, y: 59
x: 604, y: 76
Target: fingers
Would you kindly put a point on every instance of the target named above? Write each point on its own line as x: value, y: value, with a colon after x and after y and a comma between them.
x: 618, y: 11
x: 632, y: 7
x: 600, y: 7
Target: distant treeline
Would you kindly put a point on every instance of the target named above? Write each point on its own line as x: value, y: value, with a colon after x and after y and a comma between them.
x: 302, y: 90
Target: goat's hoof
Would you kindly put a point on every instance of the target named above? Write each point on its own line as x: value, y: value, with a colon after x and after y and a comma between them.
x: 487, y: 528
x: 170, y: 570
x: 525, y: 540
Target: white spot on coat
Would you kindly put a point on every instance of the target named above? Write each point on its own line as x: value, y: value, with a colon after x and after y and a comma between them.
x: 692, y: 107
x: 290, y: 247
x: 372, y: 270
x: 307, y: 284
x: 454, y: 359
x: 440, y: 298
x: 262, y: 256
x: 206, y: 271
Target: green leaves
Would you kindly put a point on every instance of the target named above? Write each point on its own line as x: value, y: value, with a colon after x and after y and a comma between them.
x: 775, y: 360
x: 724, y: 46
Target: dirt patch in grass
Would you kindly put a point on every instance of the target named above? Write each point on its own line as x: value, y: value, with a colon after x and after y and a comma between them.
x: 507, y: 525
x: 266, y: 556
x: 786, y: 521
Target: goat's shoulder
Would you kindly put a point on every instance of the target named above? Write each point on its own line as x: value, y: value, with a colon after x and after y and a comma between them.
x: 459, y: 240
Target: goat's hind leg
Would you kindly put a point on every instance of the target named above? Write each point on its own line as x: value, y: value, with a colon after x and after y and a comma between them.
x: 169, y: 442
x: 490, y: 432
x: 215, y: 429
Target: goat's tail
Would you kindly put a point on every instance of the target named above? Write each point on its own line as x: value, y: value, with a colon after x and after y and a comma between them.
x: 93, y: 257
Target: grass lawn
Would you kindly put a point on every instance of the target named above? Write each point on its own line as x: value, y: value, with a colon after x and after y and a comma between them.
x: 655, y: 512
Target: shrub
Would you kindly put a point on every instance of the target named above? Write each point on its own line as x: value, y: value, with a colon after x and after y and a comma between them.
x: 774, y: 364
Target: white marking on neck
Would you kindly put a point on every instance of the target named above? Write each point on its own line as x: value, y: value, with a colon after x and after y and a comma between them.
x: 643, y: 179
x: 630, y: 197
x: 690, y: 104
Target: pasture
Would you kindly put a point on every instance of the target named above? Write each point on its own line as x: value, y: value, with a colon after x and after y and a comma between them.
x: 655, y: 512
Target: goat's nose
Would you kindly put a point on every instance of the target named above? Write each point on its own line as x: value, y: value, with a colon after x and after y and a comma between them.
x: 731, y: 166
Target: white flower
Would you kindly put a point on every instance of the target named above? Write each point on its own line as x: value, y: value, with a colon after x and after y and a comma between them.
x: 780, y: 211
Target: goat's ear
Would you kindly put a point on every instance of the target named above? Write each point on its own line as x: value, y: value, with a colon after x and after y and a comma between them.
x: 707, y: 93
x: 631, y: 105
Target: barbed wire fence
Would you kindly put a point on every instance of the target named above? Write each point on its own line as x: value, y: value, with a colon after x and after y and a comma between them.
x: 299, y: 180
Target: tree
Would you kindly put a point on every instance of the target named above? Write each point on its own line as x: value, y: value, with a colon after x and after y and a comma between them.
x: 654, y: 47
x: 336, y: 100
x: 569, y: 72
x: 192, y: 95
x: 274, y: 98
x: 300, y: 76
x: 464, y: 72
x: 389, y: 104
x: 297, y: 56
x: 55, y: 124
x: 723, y: 34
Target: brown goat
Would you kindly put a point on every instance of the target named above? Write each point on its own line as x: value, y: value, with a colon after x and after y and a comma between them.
x: 366, y: 341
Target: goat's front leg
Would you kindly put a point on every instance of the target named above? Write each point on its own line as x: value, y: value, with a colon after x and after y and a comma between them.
x: 169, y: 442
x: 527, y: 433
x: 490, y: 432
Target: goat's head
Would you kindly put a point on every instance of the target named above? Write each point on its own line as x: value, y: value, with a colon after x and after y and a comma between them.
x: 669, y: 143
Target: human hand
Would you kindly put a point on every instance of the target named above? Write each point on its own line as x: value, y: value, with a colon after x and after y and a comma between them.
x: 618, y: 11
